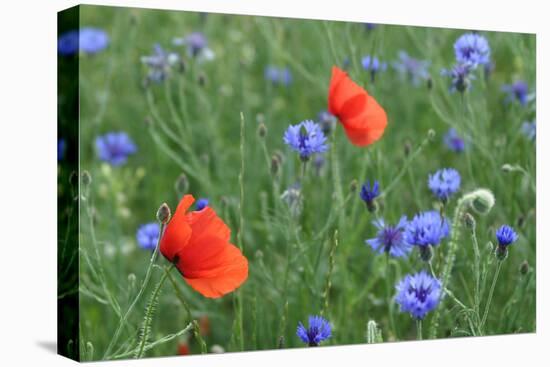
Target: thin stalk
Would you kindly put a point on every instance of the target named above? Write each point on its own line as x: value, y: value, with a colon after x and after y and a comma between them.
x: 144, y: 285
x: 406, y: 165
x: 419, y: 329
x: 149, y: 312
x: 477, y: 267
x: 196, y: 327
x: 490, y: 298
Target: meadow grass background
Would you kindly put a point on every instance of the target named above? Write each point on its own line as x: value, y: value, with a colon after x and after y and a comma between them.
x: 195, y: 128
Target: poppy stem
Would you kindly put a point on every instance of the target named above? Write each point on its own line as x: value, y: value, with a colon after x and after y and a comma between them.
x: 196, y: 327
x: 144, y: 285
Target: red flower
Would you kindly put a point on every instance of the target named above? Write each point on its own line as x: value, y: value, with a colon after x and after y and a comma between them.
x: 198, y: 244
x: 363, y: 119
x: 183, y: 349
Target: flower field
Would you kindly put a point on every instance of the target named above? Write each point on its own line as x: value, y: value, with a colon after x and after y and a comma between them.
x: 252, y: 183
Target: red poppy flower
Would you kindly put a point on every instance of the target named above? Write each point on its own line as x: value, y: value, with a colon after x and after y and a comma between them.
x: 197, y: 243
x: 183, y: 349
x: 363, y: 119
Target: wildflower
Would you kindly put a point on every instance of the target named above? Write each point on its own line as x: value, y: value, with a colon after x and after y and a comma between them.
x: 505, y: 237
x: 197, y: 243
x: 529, y: 129
x: 183, y: 349
x: 327, y: 121
x: 293, y: 198
x: 373, y: 66
x: 148, y: 235
x: 418, y: 294
x: 461, y: 77
x: 368, y: 193
x: 306, y: 138
x: 318, y: 330
x: 370, y: 26
x: 517, y: 91
x: 88, y: 39
x: 390, y: 239
x: 363, y: 119
x: 427, y: 228
x: 453, y: 141
x: 472, y: 49
x: 159, y: 63
x: 201, y: 203
x: 197, y: 46
x: 115, y: 147
x: 444, y: 183
x: 278, y: 76
x: 61, y: 147
x: 413, y: 69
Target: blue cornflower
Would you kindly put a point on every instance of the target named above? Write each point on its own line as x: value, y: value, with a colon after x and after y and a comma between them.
x: 197, y: 46
x: 306, y: 138
x: 373, y: 65
x: 368, y: 193
x: 529, y: 129
x: 427, y: 229
x: 115, y: 147
x: 61, y: 147
x: 390, y: 239
x: 418, y: 294
x: 201, y: 203
x: 159, y: 63
x: 90, y: 40
x: 517, y: 91
x: 318, y: 330
x: 472, y: 49
x: 453, y: 141
x: 67, y: 43
x: 370, y: 26
x: 461, y: 77
x: 278, y: 76
x: 413, y: 69
x: 147, y: 235
x: 444, y: 183
x: 327, y: 121
x: 506, y: 235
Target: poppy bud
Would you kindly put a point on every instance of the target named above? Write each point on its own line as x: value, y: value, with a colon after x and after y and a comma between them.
x: 431, y: 134
x: 353, y: 186
x: 202, y: 79
x: 524, y: 267
x: 275, y: 165
x: 163, y: 214
x: 262, y: 130
x: 507, y: 168
x: 469, y: 221
x: 281, y: 343
x: 182, y: 184
x: 407, y: 148
x: 86, y: 178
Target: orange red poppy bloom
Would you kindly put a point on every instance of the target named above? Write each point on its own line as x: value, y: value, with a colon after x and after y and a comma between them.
x: 197, y: 243
x: 363, y: 119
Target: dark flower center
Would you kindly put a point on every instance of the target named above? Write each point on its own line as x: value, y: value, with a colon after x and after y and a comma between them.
x: 391, y: 236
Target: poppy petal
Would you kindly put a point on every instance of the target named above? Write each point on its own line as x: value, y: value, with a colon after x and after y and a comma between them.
x: 213, y: 267
x: 341, y: 90
x: 178, y: 232
x: 206, y: 222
